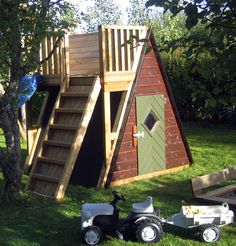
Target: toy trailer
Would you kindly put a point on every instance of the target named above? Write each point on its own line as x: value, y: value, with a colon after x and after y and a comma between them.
x: 109, y: 116
x: 205, y: 219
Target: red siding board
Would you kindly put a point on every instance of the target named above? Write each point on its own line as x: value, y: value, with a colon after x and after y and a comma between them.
x: 150, y: 83
x: 126, y: 165
x: 124, y: 174
x: 127, y: 156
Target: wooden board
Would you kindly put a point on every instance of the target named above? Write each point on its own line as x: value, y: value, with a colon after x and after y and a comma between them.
x: 84, y: 54
x: 199, y: 183
x: 218, y: 195
x: 148, y: 176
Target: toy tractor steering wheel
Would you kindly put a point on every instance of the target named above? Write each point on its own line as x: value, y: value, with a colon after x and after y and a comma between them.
x: 118, y: 195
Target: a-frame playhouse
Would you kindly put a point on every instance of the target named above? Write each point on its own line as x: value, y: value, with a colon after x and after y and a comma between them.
x: 109, y: 116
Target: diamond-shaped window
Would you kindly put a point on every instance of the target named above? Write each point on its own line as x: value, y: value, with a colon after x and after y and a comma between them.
x: 151, y: 121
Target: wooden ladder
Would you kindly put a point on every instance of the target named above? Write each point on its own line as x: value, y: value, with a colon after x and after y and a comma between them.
x: 53, y: 164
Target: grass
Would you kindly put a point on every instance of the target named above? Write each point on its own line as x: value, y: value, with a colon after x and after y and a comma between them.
x: 33, y: 221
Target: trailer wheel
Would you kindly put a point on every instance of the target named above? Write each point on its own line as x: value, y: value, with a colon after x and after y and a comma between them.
x: 92, y: 235
x: 209, y: 233
x: 148, y: 231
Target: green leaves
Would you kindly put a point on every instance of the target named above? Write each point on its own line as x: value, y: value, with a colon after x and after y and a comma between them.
x: 159, y: 3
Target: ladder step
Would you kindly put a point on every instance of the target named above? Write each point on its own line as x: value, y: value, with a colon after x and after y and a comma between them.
x: 63, y: 127
x: 51, y: 161
x: 69, y: 110
x: 74, y: 94
x: 45, y: 178
x: 55, y: 143
x: 81, y: 81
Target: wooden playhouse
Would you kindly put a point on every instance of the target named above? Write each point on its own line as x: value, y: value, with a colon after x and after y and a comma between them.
x: 108, y: 117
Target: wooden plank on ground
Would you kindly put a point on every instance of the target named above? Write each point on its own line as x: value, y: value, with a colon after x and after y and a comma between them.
x: 201, y: 182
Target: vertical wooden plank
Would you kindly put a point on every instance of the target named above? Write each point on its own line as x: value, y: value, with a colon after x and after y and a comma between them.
x: 119, y: 50
x: 116, y: 50
x: 132, y: 55
x: 107, y: 124
x: 67, y: 63
x: 106, y: 57
x: 137, y: 40
x: 109, y: 54
x: 128, y: 51
x: 49, y: 48
x: 122, y: 40
x: 56, y: 58
x: 44, y: 54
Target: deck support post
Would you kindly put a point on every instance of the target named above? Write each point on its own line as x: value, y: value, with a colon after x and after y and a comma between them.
x: 107, y: 125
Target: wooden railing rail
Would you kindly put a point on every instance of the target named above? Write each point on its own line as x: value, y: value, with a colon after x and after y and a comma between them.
x: 54, y: 56
x: 120, y: 49
x: 57, y: 65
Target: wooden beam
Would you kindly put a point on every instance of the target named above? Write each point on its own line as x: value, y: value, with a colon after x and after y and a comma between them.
x: 120, y: 76
x: 107, y: 124
x: 118, y: 86
x: 149, y: 175
x: 22, y: 132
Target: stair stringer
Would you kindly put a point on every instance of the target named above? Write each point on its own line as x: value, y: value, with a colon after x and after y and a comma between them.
x: 75, y: 146
x: 79, y: 137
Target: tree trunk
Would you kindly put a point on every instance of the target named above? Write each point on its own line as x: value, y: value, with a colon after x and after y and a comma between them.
x: 10, y: 160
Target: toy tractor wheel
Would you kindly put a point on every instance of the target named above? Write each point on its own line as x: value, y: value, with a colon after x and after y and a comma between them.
x: 210, y: 233
x: 92, y: 235
x: 148, y: 231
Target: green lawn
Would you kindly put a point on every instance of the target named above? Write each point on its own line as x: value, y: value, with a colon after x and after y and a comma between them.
x: 34, y: 221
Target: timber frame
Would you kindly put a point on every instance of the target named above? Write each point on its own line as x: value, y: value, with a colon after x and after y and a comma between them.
x: 85, y: 68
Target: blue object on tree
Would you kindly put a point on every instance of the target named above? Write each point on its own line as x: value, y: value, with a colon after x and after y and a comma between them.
x: 28, y: 86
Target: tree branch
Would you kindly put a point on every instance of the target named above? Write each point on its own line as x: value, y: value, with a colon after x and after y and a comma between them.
x: 52, y: 51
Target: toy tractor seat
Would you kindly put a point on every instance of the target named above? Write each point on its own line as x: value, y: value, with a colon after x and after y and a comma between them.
x: 144, y: 207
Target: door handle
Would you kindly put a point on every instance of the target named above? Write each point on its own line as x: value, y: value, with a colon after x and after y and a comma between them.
x: 138, y: 135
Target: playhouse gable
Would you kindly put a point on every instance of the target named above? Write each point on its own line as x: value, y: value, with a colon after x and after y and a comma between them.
x: 163, y: 147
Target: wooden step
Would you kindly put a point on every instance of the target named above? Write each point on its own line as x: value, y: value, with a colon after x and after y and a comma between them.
x: 51, y: 161
x: 70, y: 110
x: 58, y: 144
x: 45, y: 178
x: 63, y: 127
x: 75, y: 94
x: 84, y: 81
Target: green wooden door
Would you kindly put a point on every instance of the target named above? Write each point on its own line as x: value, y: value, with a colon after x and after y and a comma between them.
x: 150, y: 120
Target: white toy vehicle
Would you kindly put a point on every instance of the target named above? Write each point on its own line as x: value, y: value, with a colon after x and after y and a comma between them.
x: 205, y: 219
x: 145, y: 222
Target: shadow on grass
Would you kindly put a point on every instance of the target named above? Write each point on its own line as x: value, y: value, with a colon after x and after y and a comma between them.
x: 33, y: 221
